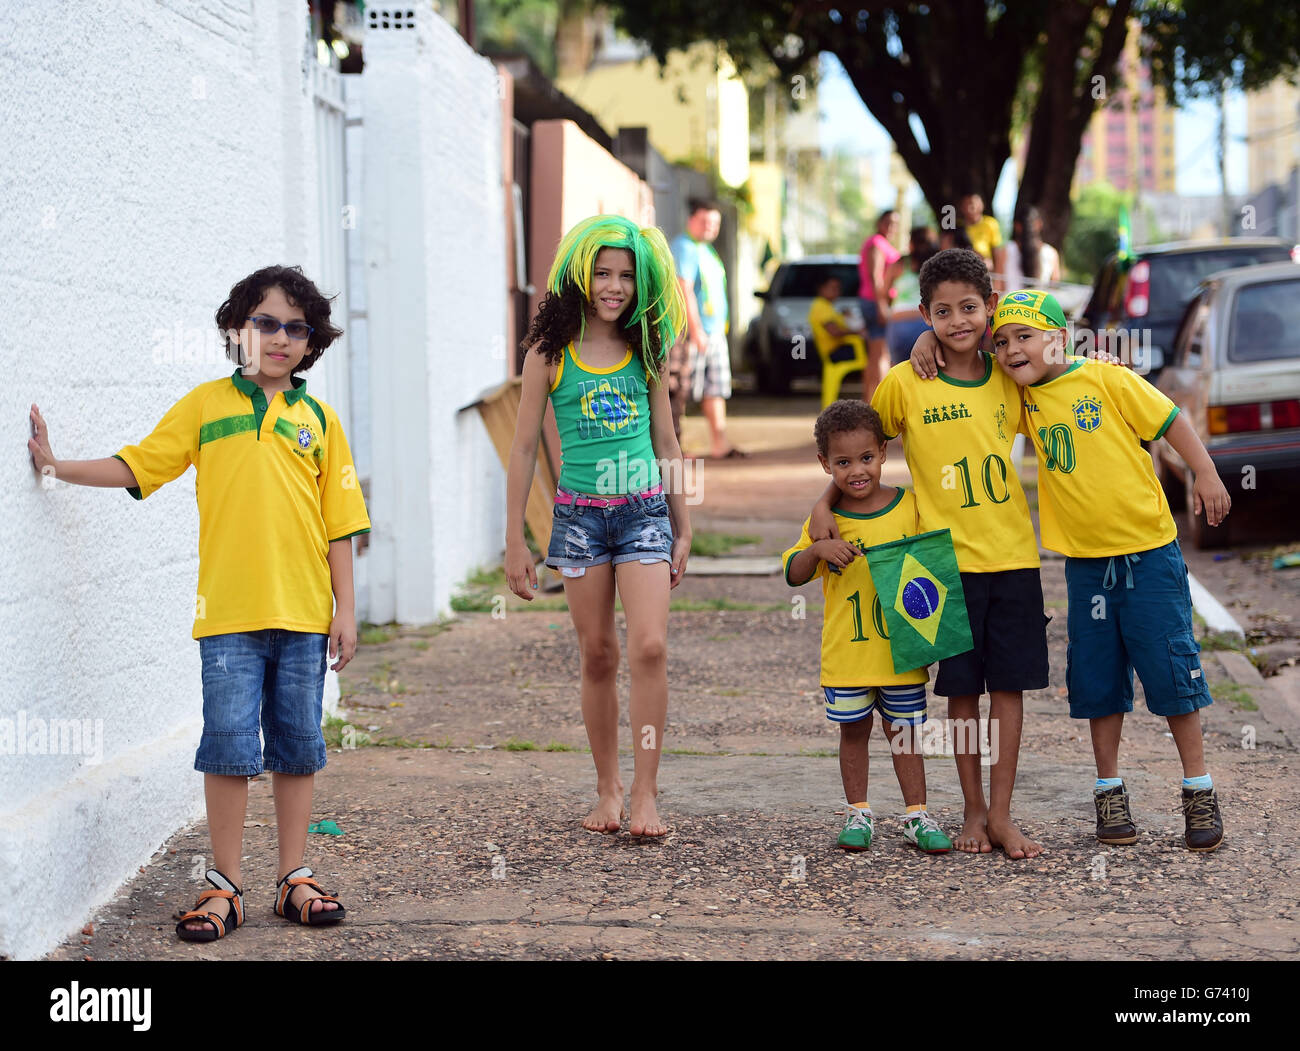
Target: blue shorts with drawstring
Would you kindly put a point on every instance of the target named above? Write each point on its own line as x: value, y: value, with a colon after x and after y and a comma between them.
x: 273, y: 681
x: 583, y: 536
x: 1127, y: 613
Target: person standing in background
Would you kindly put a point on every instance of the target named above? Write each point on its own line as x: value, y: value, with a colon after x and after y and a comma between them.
x: 874, y: 269
x: 703, y: 281
x: 983, y: 231
x: 1030, y: 262
x: 905, y: 320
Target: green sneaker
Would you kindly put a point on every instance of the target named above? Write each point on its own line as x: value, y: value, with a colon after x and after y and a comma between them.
x: 924, y: 832
x: 857, y: 829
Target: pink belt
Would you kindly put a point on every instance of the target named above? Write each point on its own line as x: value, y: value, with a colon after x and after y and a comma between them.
x: 563, y: 497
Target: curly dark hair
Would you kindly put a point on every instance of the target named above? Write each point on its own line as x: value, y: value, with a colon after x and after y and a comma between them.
x: 847, y: 414
x: 954, y: 264
x: 559, y: 321
x: 299, y: 290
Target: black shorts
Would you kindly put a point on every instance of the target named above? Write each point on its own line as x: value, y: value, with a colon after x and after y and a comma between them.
x: 844, y: 352
x: 1009, y: 630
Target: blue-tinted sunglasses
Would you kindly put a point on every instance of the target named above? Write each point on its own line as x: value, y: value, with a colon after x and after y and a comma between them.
x: 268, y: 326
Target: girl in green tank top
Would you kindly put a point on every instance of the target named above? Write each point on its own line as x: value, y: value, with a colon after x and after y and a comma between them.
x: 596, y: 350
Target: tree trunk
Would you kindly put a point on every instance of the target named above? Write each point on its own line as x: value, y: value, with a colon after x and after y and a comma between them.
x: 1067, y: 97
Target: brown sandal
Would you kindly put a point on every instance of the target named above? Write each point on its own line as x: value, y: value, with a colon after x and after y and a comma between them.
x: 218, y: 926
x: 302, y: 877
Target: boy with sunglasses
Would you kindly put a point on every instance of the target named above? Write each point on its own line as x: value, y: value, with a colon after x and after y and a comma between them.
x: 278, y: 505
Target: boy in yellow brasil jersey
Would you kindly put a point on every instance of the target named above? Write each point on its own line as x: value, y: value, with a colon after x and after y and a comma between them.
x: 1102, y: 507
x: 957, y: 436
x: 857, y: 669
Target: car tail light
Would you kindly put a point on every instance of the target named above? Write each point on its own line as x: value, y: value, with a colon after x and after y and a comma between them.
x: 1286, y: 414
x: 1137, y: 296
x: 1262, y: 416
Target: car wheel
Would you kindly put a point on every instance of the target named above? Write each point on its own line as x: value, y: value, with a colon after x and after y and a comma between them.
x: 1205, y: 536
x: 770, y: 376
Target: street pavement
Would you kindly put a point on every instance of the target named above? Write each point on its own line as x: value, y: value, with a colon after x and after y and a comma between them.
x: 461, y: 837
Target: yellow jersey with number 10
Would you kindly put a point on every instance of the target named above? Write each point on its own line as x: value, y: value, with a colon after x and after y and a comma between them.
x: 957, y: 437
x: 1098, y: 486
x: 855, y: 638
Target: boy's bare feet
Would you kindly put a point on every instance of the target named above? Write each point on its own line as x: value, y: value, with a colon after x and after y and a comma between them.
x: 974, y: 836
x: 608, y: 815
x: 645, y: 816
x: 1004, y: 833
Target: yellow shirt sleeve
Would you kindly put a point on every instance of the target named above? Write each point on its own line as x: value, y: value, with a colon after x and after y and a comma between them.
x: 1147, y: 410
x: 804, y: 542
x: 889, y: 401
x: 342, y: 506
x: 169, y: 449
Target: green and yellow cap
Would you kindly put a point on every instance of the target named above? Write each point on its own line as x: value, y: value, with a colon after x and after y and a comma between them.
x: 1029, y: 307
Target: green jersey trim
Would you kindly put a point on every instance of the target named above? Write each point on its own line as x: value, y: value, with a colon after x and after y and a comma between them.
x: 988, y: 371
x: 1074, y: 365
x: 898, y: 495
x: 1167, y: 424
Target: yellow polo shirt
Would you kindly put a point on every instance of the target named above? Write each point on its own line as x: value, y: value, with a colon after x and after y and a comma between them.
x: 957, y: 438
x: 1097, y: 486
x: 275, y: 485
x: 855, y: 639
x: 985, y: 236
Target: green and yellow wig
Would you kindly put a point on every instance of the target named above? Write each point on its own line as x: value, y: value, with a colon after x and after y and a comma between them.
x: 659, y: 302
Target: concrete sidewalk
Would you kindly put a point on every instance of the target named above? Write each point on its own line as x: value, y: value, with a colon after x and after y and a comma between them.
x: 461, y: 835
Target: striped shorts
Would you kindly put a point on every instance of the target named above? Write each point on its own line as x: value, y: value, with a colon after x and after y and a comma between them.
x: 901, y: 705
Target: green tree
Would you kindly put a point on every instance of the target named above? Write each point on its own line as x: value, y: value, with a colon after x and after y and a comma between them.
x: 1093, y: 233
x: 947, y: 80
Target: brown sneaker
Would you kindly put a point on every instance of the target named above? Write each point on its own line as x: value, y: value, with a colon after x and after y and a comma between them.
x: 1114, y: 822
x: 1204, y: 822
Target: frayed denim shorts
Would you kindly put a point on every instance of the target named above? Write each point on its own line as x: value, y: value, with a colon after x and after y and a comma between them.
x: 583, y: 536
x: 271, y: 680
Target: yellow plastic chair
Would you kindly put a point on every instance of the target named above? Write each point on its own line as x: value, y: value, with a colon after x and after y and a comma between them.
x: 833, y: 372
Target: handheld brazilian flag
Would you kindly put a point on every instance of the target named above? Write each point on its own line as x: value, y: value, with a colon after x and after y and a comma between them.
x: 922, y: 599
x: 1123, y: 233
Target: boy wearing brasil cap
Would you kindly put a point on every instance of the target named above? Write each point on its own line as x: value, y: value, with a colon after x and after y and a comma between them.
x: 1101, y: 506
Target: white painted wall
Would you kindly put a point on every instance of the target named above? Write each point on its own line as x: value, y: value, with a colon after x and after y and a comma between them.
x: 432, y: 229
x: 156, y: 152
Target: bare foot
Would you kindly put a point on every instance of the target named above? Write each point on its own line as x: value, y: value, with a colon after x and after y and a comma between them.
x: 608, y: 815
x: 1005, y: 834
x: 645, y: 817
x: 974, y: 837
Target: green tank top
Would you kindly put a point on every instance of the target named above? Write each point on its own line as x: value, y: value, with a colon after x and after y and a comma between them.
x: 603, y: 416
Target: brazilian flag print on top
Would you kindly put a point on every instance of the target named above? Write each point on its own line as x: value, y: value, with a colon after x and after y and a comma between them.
x: 922, y: 598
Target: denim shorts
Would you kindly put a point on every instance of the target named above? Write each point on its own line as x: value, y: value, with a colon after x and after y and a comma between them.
x: 273, y: 679
x: 583, y: 536
x: 1132, y: 612
x: 871, y: 319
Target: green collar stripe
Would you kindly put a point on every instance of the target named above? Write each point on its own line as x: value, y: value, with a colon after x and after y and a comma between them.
x: 225, y: 427
x: 314, y: 405
x: 289, y: 429
x: 988, y: 371
x: 898, y: 495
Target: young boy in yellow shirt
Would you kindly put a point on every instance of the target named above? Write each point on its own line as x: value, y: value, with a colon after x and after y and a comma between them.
x: 857, y: 668
x: 279, y: 502
x: 1102, y: 507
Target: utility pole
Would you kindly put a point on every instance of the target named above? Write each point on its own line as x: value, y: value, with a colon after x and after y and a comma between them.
x: 1223, y: 158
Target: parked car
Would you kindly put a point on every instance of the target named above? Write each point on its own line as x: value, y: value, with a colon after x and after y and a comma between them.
x: 779, y: 344
x: 1139, y: 305
x: 1235, y: 372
